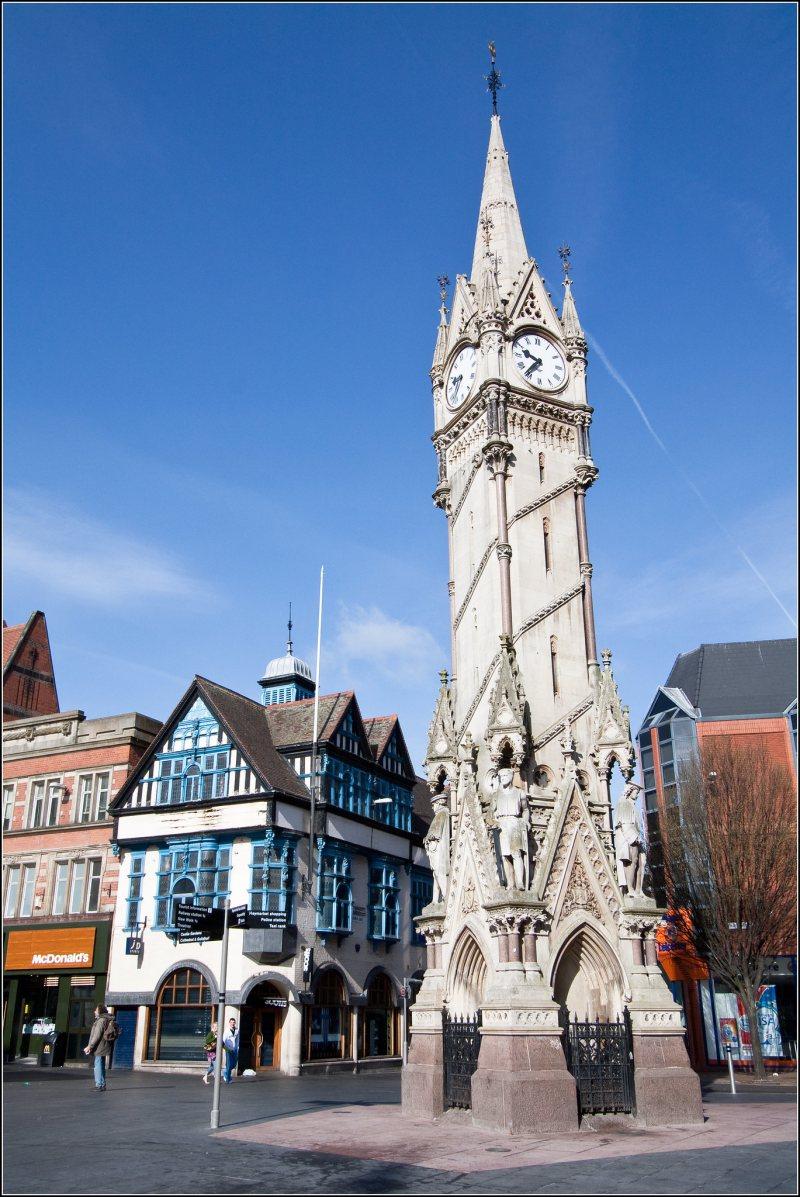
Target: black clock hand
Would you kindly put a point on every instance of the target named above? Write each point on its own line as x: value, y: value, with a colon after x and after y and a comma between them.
x: 456, y: 383
x: 535, y: 364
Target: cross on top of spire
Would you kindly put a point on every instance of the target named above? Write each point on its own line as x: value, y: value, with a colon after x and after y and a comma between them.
x: 493, y: 78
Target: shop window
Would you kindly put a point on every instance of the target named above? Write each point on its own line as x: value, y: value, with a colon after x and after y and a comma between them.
x: 44, y: 802
x: 20, y: 889
x: 421, y: 896
x: 328, y: 1020
x: 379, y: 1021
x: 181, y: 1017
x: 93, y: 797
x: 135, y: 881
x: 8, y: 805
x: 272, y: 875
x: 384, y: 897
x: 197, y: 872
x: 334, y: 893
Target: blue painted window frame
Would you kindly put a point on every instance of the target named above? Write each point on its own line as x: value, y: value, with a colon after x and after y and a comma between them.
x: 194, y: 776
x: 272, y: 873
x: 335, y: 892
x: 201, y: 861
x: 135, y: 883
x: 421, y: 894
x: 384, y: 901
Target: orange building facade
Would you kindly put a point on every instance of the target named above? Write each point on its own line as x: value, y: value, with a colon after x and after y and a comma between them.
x: 745, y: 692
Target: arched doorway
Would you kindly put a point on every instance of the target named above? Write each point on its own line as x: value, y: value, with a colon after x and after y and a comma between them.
x: 327, y: 1021
x: 466, y: 978
x: 260, y: 1030
x: 379, y: 1025
x: 587, y: 981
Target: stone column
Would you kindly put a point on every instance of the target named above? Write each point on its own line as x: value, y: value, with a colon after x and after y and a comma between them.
x: 291, y: 1039
x: 422, y: 1081
x: 496, y: 454
x: 667, y: 1089
x: 586, y: 473
x: 522, y: 1084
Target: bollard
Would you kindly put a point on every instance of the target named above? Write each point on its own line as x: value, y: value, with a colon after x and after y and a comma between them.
x: 729, y: 1050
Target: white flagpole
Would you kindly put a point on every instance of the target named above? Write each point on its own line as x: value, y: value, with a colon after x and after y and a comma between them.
x: 311, y: 829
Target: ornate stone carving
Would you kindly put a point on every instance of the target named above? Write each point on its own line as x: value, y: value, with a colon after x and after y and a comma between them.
x: 498, y: 454
x: 611, y: 727
x: 579, y: 894
x: 441, y: 759
x: 506, y: 728
x: 510, y: 812
x: 629, y: 843
x: 469, y: 901
x: 437, y: 844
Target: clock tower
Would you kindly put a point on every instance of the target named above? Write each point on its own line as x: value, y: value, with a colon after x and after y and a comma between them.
x: 544, y: 911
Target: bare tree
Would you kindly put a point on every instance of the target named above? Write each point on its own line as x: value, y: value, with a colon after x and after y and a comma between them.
x: 729, y: 847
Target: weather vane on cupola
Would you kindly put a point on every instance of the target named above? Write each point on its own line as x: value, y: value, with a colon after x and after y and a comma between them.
x: 289, y: 645
x: 493, y: 78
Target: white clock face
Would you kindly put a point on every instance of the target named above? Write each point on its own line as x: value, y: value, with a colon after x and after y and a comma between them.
x: 539, y: 362
x: 462, y: 376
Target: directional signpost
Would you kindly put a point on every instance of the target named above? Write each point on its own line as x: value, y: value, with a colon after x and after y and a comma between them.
x: 198, y: 923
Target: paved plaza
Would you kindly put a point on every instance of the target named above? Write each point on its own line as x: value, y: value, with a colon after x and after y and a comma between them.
x: 149, y: 1133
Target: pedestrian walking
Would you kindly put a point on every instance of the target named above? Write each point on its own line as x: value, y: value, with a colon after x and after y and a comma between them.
x: 210, y: 1046
x: 102, y: 1037
x: 230, y: 1042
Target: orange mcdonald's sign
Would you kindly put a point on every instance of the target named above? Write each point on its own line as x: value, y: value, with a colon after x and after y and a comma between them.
x: 676, y: 955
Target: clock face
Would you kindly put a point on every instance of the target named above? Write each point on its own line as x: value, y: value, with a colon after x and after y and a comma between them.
x: 539, y: 362
x: 462, y: 376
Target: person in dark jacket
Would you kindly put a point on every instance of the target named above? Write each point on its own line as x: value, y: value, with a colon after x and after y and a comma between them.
x: 98, y: 1046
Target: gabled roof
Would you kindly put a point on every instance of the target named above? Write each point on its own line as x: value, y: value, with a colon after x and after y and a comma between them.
x: 293, y: 722
x: 246, y: 723
x: 12, y: 638
x: 379, y: 729
x: 740, y: 679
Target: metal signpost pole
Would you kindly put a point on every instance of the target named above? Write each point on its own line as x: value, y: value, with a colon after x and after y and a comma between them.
x: 314, y: 752
x: 223, y: 980
x: 729, y: 1051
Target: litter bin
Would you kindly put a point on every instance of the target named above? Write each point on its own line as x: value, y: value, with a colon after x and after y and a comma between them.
x: 54, y: 1050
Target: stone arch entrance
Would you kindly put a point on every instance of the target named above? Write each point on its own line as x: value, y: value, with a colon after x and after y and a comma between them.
x: 587, y: 979
x: 466, y: 979
x: 261, y: 1026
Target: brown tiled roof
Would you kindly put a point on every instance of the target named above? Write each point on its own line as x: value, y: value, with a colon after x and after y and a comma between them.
x: 293, y: 722
x: 422, y: 811
x: 11, y: 639
x: 379, y: 728
x: 246, y: 721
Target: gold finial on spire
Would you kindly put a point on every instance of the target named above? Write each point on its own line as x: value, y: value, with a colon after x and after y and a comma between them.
x: 493, y: 78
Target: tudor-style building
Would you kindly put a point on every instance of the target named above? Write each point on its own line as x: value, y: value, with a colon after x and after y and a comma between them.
x: 219, y: 809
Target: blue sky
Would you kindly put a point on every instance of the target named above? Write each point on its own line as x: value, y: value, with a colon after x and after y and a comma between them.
x: 223, y: 227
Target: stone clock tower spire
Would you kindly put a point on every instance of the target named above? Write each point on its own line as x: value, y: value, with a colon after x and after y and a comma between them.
x: 544, y: 913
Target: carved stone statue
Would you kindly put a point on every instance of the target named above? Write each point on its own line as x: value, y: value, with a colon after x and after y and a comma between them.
x: 437, y: 845
x: 511, y: 817
x: 629, y: 841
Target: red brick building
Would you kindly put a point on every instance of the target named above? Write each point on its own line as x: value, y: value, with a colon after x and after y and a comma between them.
x: 60, y: 772
x: 29, y: 686
x: 745, y: 692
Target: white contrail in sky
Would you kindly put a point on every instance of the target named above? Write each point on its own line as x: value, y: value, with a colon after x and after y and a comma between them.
x: 677, y: 466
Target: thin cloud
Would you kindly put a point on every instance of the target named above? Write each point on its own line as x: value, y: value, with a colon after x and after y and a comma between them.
x: 67, y: 552
x: 676, y: 465
x: 366, y: 638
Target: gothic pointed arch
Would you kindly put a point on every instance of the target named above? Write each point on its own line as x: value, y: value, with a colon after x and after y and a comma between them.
x: 586, y: 975
x: 467, y: 976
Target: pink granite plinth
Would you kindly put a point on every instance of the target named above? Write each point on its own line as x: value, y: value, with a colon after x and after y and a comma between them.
x: 667, y: 1090
x: 522, y: 1086
x: 422, y: 1080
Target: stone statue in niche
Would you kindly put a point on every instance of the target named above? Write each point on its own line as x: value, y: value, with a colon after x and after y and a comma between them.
x: 629, y: 842
x: 437, y: 844
x: 510, y: 809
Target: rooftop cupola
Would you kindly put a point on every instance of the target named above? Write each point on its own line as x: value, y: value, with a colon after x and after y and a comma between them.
x: 287, y: 678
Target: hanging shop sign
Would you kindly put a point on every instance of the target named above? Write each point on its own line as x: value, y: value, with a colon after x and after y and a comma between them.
x: 51, y: 949
x: 134, y: 944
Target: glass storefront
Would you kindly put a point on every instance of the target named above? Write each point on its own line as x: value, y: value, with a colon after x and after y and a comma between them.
x: 181, y: 1018
x: 327, y: 1020
x: 726, y: 1024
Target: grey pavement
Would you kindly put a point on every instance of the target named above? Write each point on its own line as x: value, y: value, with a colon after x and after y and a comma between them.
x: 150, y: 1133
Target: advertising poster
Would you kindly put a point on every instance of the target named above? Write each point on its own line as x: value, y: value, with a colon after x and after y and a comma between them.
x: 768, y: 1027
